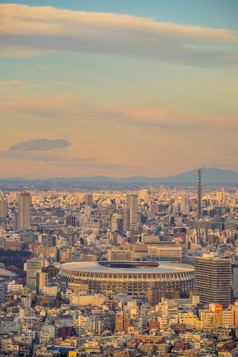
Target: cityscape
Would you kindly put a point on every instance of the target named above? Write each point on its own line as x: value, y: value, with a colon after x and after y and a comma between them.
x: 153, y: 272
x: 119, y: 178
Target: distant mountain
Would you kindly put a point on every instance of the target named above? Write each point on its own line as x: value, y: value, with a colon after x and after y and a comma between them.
x: 209, y: 176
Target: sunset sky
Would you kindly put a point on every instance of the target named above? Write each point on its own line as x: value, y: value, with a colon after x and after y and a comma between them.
x: 118, y: 87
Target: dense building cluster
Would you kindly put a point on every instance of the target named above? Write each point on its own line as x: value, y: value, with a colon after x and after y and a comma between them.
x: 150, y: 272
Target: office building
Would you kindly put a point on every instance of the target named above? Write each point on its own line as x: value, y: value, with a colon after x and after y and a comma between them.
x: 41, y: 281
x: 33, y: 267
x: 116, y: 223
x: 144, y: 195
x: 132, y: 206
x: 166, y: 253
x: 24, y: 211
x: 120, y: 255
x: 234, y: 270
x: 89, y: 199
x: 126, y: 219
x: 3, y: 208
x: 212, y: 280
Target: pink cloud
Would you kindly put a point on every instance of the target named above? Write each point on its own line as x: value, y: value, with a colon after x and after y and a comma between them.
x: 29, y: 31
x: 11, y: 83
x: 68, y: 107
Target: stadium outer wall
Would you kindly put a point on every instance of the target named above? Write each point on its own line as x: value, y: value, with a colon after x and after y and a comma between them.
x: 138, y: 279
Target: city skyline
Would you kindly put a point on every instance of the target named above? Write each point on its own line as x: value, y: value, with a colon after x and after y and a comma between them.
x: 109, y: 272
x: 119, y: 89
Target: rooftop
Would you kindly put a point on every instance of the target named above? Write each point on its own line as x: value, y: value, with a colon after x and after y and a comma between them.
x: 128, y: 267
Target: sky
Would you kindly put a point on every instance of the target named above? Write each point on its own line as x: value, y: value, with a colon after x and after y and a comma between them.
x: 117, y: 88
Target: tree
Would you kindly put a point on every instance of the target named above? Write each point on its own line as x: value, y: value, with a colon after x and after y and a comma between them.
x: 176, y: 294
x: 17, y: 258
x: 44, y: 301
x: 52, y: 272
x: 34, y: 299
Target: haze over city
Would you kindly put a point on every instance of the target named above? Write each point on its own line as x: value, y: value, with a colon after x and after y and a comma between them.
x: 117, y: 88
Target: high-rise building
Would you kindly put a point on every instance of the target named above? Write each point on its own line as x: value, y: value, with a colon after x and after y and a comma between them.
x: 116, y: 223
x: 33, y: 267
x: 41, y: 281
x: 199, y: 193
x: 126, y: 219
x: 212, y: 279
x: 144, y: 195
x: 24, y: 211
x: 3, y: 208
x: 132, y: 205
x: 220, y: 196
x: 89, y: 199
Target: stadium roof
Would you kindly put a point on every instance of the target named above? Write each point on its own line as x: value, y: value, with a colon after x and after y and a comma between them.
x: 128, y: 267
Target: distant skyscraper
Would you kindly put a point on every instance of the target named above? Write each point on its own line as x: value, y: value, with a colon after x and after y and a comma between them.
x: 144, y: 195
x: 126, y: 219
x: 41, y: 281
x: 212, y: 279
x: 3, y: 208
x: 220, y: 196
x: 199, y: 193
x: 33, y: 267
x: 132, y: 205
x: 89, y: 199
x: 116, y: 223
x: 24, y: 211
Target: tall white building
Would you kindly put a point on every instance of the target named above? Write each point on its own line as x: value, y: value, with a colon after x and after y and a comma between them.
x: 132, y: 206
x: 24, y: 211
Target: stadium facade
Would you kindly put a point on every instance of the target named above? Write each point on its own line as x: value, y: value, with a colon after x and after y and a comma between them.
x: 139, y: 279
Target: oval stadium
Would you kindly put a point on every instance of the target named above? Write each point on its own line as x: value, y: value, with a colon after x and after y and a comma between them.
x: 139, y: 279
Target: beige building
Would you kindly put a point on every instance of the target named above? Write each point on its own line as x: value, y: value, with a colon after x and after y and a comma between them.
x: 122, y: 321
x: 46, y: 252
x: 212, y: 279
x: 144, y: 195
x: 119, y: 255
x: 41, y: 281
x: 88, y: 258
x: 166, y: 253
x: 132, y: 205
x: 126, y: 219
x: 3, y: 208
x: 116, y: 223
x: 188, y: 318
x: 89, y: 199
x: 24, y: 211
